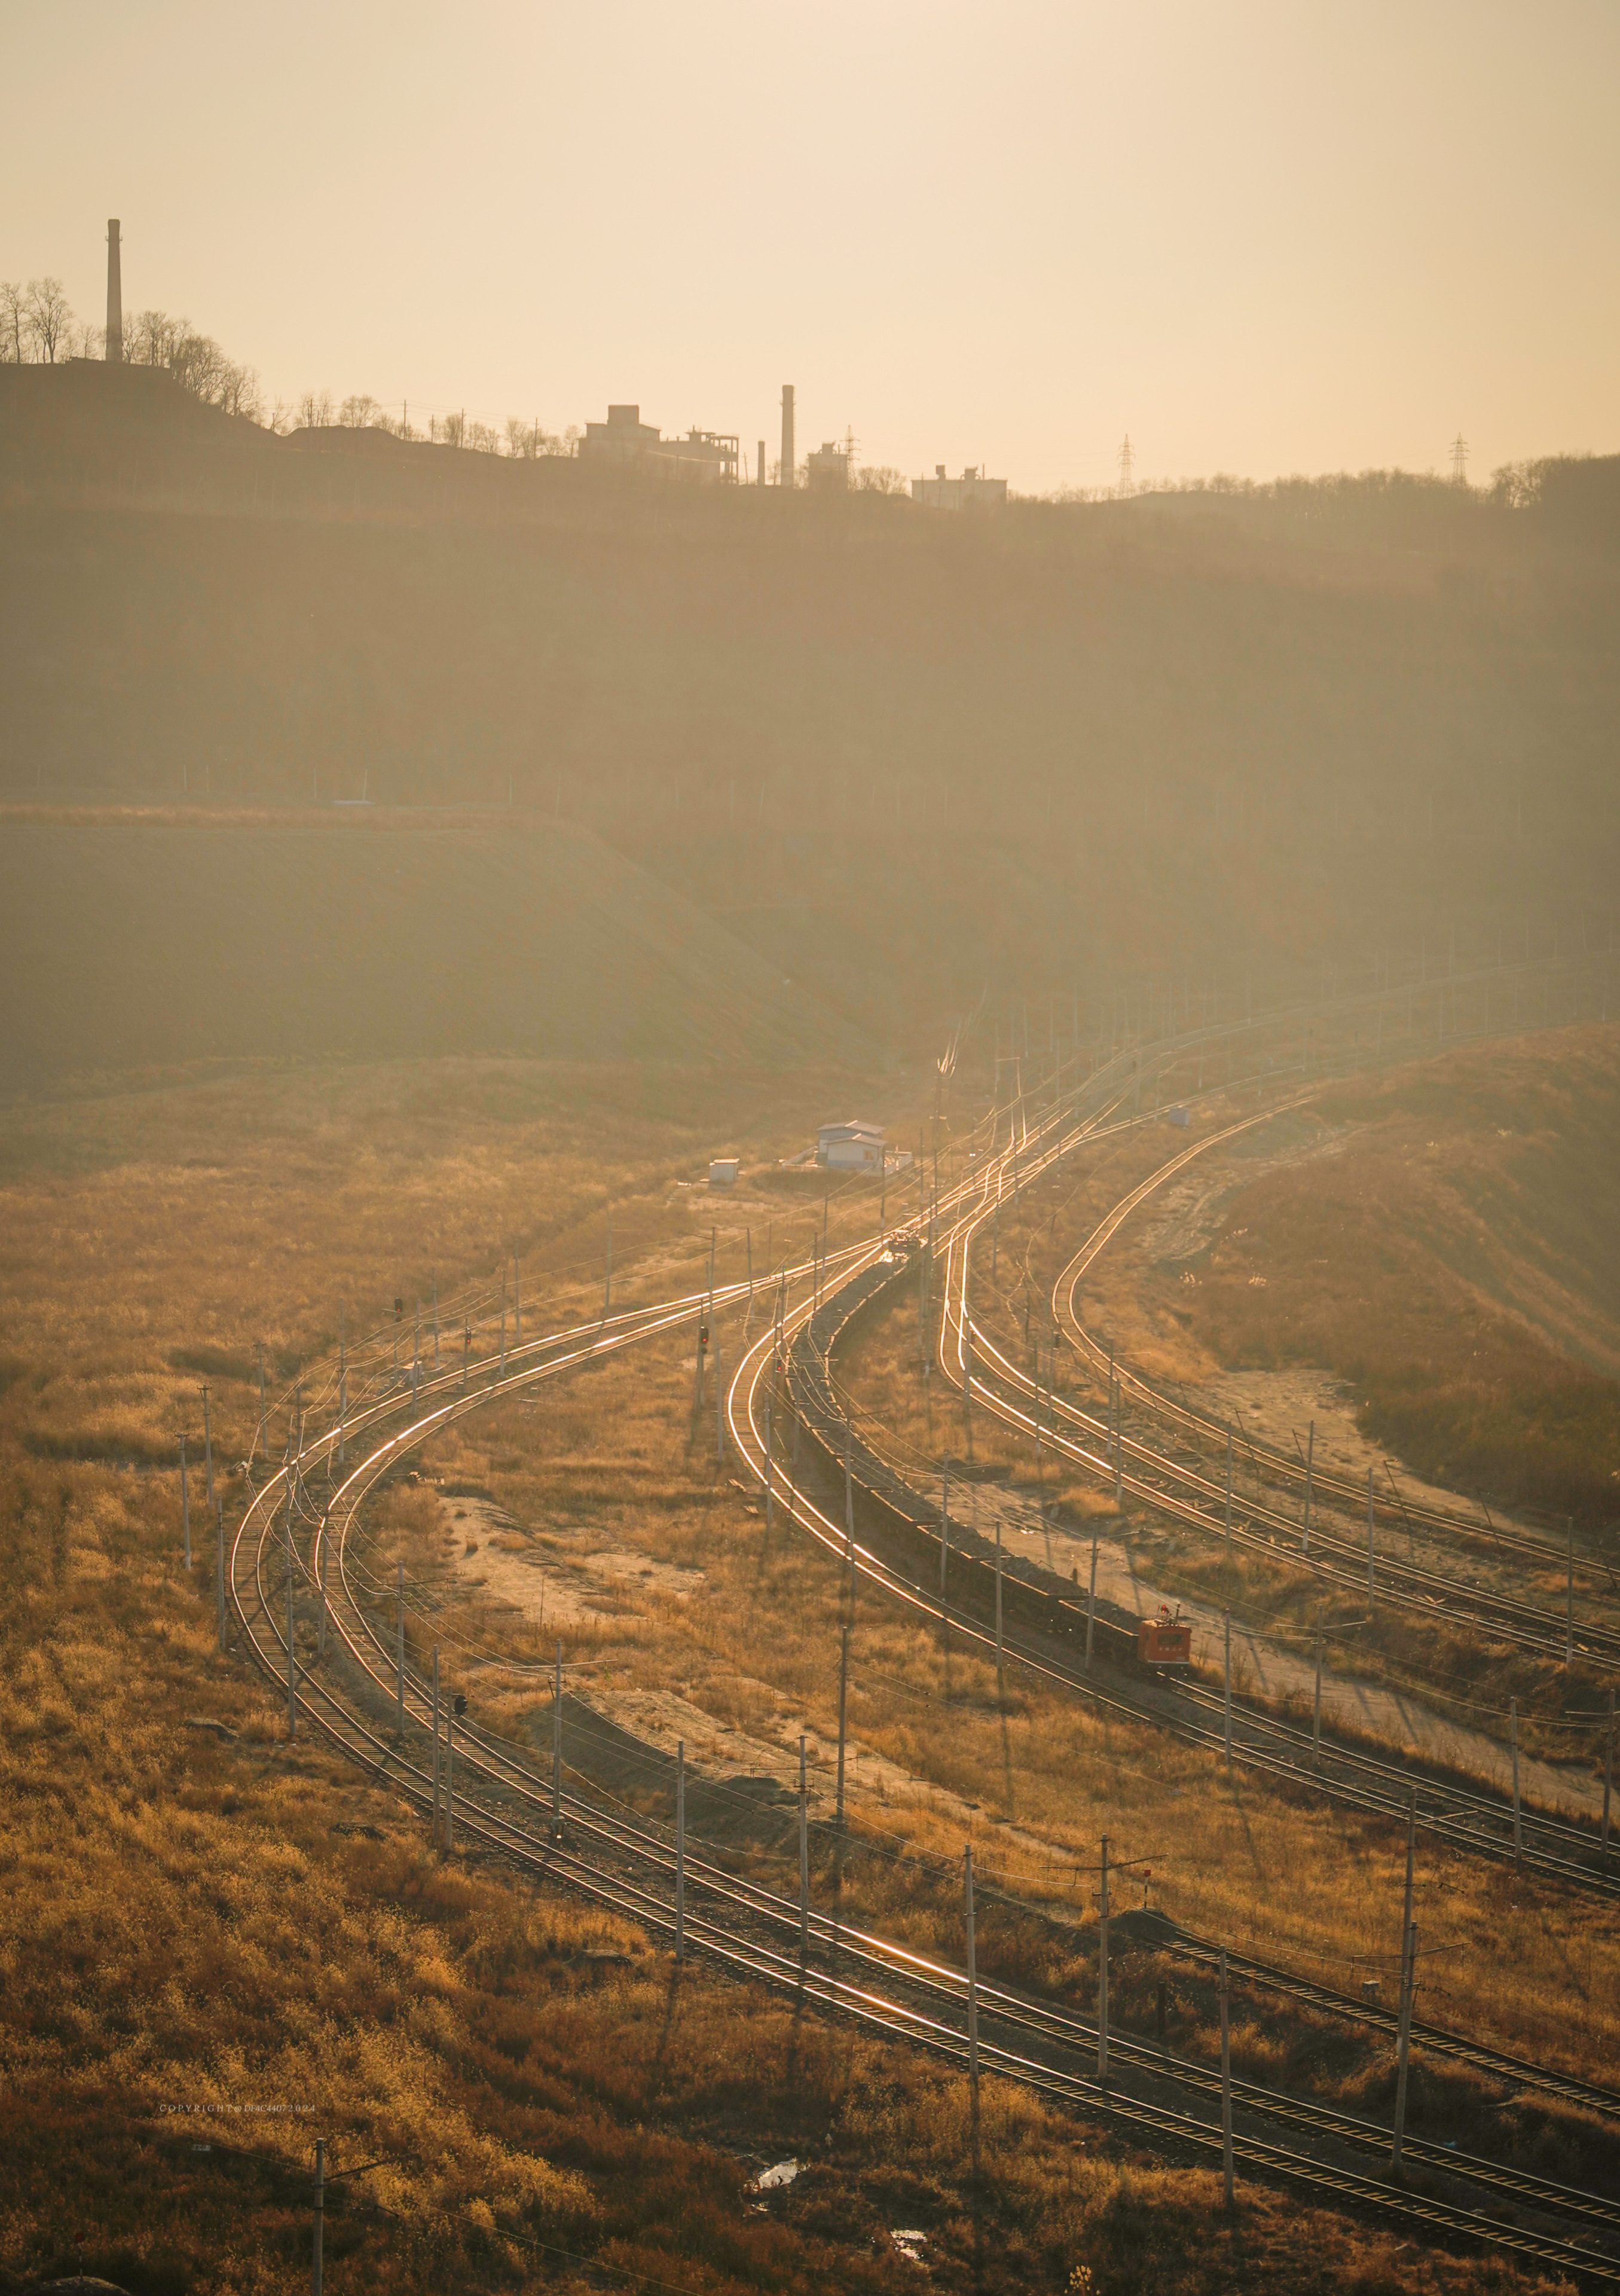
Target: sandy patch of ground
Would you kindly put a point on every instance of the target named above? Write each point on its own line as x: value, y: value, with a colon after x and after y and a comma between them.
x: 494, y: 1554
x: 1279, y: 1406
x: 594, y: 1582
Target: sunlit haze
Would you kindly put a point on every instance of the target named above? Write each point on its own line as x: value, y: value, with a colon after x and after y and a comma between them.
x: 1259, y: 238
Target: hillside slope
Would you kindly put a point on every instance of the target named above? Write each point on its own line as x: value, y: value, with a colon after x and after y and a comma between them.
x: 1456, y: 1262
x: 153, y: 940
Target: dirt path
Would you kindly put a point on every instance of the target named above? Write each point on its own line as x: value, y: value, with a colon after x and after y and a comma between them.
x: 569, y: 1579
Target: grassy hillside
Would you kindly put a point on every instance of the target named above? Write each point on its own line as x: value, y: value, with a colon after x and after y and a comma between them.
x: 1457, y: 1262
x: 156, y: 941
x: 1192, y: 733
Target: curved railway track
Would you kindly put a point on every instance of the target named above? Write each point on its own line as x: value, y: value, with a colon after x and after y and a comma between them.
x: 887, y: 1988
x: 503, y: 1807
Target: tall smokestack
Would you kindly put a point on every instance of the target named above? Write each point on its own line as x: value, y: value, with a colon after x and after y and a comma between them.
x: 762, y: 461
x: 115, y: 296
x: 789, y: 463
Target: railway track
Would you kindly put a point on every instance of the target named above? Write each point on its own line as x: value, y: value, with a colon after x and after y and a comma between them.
x: 886, y: 1988
x: 501, y: 1806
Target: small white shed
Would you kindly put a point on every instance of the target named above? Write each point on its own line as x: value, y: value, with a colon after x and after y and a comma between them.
x: 852, y: 1146
x: 722, y: 1171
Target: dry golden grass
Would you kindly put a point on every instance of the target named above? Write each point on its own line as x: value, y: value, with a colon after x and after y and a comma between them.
x: 1457, y: 1262
x: 1315, y: 1889
x: 181, y: 1927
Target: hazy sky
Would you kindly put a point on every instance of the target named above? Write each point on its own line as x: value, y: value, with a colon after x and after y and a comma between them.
x: 1258, y: 236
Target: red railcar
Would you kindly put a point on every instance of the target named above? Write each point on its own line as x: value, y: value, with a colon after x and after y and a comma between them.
x: 1163, y: 1641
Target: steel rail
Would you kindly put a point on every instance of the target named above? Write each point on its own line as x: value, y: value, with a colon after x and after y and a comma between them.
x: 897, y: 2018
x: 1468, y: 1803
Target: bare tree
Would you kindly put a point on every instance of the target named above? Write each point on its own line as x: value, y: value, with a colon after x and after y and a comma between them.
x: 198, y: 365
x: 361, y: 413
x: 238, y: 392
x: 149, y: 338
x: 314, y: 411
x: 50, y: 314
x: 13, y: 318
x: 526, y: 442
x: 881, y: 478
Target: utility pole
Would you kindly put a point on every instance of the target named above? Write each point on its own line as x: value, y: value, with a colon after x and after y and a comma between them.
x: 1091, y: 1603
x: 1102, y: 1971
x: 769, y: 1463
x: 318, y: 2260
x: 680, y: 1947
x: 1310, y: 1464
x: 185, y: 1507
x: 1369, y: 1597
x: 1228, y: 1495
x: 1226, y: 1686
x: 999, y: 1651
x: 719, y: 1408
x: 449, y: 1776
x: 1408, y: 1977
x: 972, y: 1981
x: 843, y: 1712
x: 436, y: 1744
x: 1225, y: 2085
x: 1316, y: 1709
x: 324, y: 1542
x: 292, y: 1663
x: 804, y: 1857
x: 208, y: 1445
x: 849, y: 1521
x: 557, y: 1750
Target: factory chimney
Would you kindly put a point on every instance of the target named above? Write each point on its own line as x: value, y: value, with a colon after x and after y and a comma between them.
x: 762, y: 461
x: 789, y: 464
x: 115, y: 297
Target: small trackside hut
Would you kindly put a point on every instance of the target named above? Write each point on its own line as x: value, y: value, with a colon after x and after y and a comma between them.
x: 854, y: 1146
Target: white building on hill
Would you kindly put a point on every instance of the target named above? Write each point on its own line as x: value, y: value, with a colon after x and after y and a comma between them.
x: 971, y: 491
x: 853, y: 1146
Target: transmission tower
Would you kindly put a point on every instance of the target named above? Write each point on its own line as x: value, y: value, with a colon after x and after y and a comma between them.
x: 1127, y: 482
x: 852, y: 447
x: 1460, y: 461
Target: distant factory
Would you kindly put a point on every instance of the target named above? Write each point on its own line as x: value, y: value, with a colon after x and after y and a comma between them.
x: 971, y: 491
x: 828, y: 469
x: 703, y: 457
